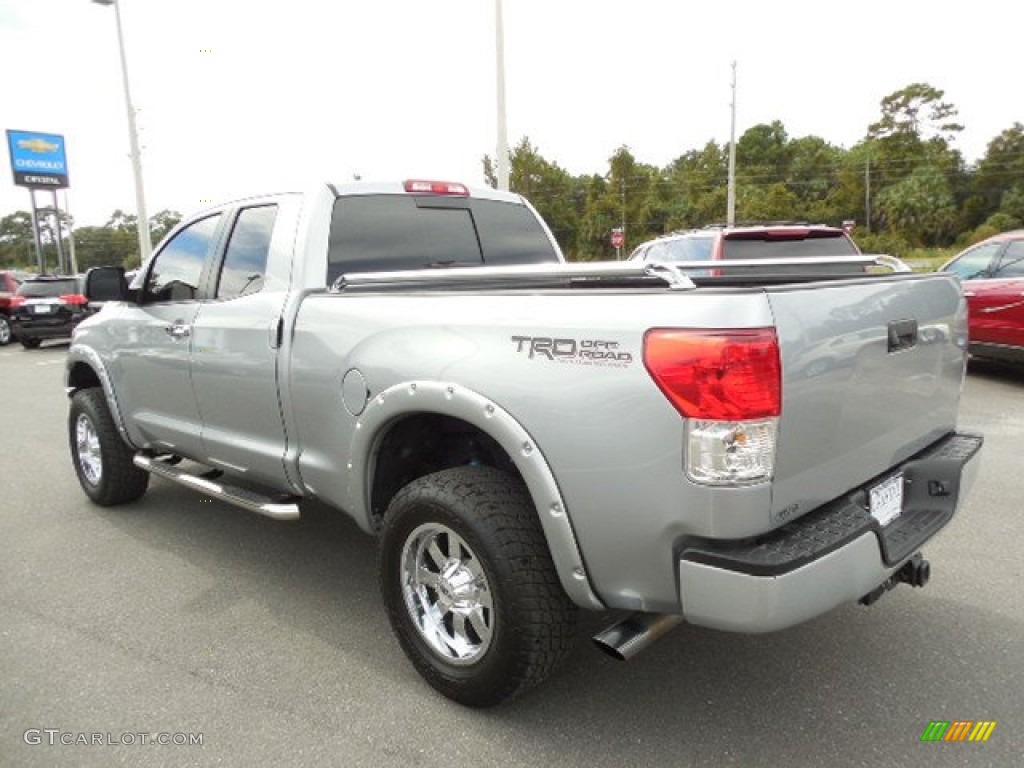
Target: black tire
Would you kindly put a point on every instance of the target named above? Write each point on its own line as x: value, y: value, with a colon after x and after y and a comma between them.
x: 102, y: 460
x: 530, y: 620
x: 30, y: 343
x: 6, y: 335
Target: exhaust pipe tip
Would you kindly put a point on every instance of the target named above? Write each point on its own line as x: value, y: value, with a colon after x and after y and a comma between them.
x: 635, y: 633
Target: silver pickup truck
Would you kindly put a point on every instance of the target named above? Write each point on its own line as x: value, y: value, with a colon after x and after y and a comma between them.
x: 526, y: 437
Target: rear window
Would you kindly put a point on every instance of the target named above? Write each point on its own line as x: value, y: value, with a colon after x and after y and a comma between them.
x: 390, y: 232
x: 44, y: 289
x: 779, y: 245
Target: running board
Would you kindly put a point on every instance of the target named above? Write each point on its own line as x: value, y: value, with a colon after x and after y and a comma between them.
x: 279, y: 508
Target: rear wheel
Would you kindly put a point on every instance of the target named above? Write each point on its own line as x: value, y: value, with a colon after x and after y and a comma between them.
x: 30, y: 343
x: 469, y: 585
x: 102, y: 460
x: 5, y: 331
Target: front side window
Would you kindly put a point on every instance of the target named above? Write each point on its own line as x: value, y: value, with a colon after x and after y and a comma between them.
x: 245, y: 261
x: 975, y: 263
x: 689, y: 249
x: 179, y: 265
x: 1012, y: 263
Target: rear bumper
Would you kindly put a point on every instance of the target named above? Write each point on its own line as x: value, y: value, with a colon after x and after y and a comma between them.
x: 831, y: 556
x: 57, y: 328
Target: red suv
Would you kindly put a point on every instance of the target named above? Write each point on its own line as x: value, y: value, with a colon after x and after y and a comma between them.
x: 992, y: 272
x: 9, y: 282
x: 763, y: 241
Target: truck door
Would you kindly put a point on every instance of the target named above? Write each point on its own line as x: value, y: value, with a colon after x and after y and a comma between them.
x: 236, y: 338
x: 154, y: 340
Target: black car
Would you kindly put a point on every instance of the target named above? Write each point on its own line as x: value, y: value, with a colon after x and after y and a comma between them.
x: 47, y: 307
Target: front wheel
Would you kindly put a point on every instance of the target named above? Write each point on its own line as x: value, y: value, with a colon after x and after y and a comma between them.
x: 103, y: 461
x: 30, y: 343
x: 470, y: 589
x: 5, y: 331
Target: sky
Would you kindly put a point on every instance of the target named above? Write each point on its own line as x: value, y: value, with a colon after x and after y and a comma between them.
x: 236, y: 97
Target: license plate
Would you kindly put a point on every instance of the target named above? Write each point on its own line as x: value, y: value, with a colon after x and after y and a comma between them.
x: 41, y: 309
x: 887, y: 500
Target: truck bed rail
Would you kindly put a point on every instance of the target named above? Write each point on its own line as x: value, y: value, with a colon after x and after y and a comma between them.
x: 583, y: 274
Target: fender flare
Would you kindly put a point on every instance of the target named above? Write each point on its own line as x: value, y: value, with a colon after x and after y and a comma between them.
x: 85, y: 356
x: 459, y: 402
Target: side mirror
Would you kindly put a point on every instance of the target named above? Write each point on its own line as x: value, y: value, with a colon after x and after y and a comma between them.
x: 106, y: 284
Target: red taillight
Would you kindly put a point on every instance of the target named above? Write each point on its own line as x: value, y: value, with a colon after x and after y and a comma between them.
x: 726, y: 375
x: 74, y: 299
x: 454, y: 189
x: 16, y: 301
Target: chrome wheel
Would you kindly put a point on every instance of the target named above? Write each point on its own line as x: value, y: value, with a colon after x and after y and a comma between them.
x: 5, y: 331
x: 87, y: 444
x: 447, y: 594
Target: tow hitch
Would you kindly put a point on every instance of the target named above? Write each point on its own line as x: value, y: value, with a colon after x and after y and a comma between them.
x: 915, y: 572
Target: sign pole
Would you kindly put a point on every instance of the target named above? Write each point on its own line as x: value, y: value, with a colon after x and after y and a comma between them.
x: 71, y: 234
x: 58, y: 234
x: 35, y: 232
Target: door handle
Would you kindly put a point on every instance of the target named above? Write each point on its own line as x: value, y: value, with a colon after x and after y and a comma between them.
x: 969, y: 294
x: 178, y: 330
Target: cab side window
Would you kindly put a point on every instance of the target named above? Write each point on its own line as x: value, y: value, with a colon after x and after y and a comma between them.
x: 245, y: 261
x: 179, y: 265
x: 975, y: 264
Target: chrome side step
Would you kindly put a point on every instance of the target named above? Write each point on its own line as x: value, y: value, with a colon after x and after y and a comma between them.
x: 279, y: 508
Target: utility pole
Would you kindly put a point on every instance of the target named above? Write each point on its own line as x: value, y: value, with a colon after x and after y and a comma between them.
x: 730, y: 214
x: 499, y: 29
x: 867, y: 195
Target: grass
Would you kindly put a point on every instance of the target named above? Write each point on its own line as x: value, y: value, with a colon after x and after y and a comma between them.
x: 927, y: 259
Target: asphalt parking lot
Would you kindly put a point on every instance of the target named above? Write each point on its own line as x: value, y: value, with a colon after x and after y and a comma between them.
x: 186, y: 617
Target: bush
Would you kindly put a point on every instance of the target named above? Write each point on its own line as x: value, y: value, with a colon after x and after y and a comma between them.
x: 883, y: 242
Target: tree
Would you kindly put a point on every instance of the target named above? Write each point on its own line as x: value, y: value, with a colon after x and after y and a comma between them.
x: 627, y: 197
x: 162, y: 223
x: 921, y: 206
x: 998, y: 182
x: 16, y: 240
x: 763, y: 154
x: 120, y: 221
x: 701, y: 175
x: 105, y: 246
x: 916, y: 111
x: 814, y: 177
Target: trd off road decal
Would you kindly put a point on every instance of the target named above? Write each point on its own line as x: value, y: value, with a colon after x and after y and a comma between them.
x: 573, y: 351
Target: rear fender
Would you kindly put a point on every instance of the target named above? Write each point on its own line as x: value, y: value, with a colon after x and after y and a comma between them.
x: 461, y: 403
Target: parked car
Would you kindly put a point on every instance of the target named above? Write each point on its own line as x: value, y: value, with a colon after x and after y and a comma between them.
x: 9, y: 282
x: 992, y: 273
x: 47, y: 307
x: 762, y: 241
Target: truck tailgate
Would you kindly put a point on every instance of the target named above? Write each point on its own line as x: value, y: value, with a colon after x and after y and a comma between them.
x: 872, y: 372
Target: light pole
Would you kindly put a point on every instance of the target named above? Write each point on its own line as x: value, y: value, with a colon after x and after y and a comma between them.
x: 499, y: 47
x: 730, y: 212
x: 145, y: 246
